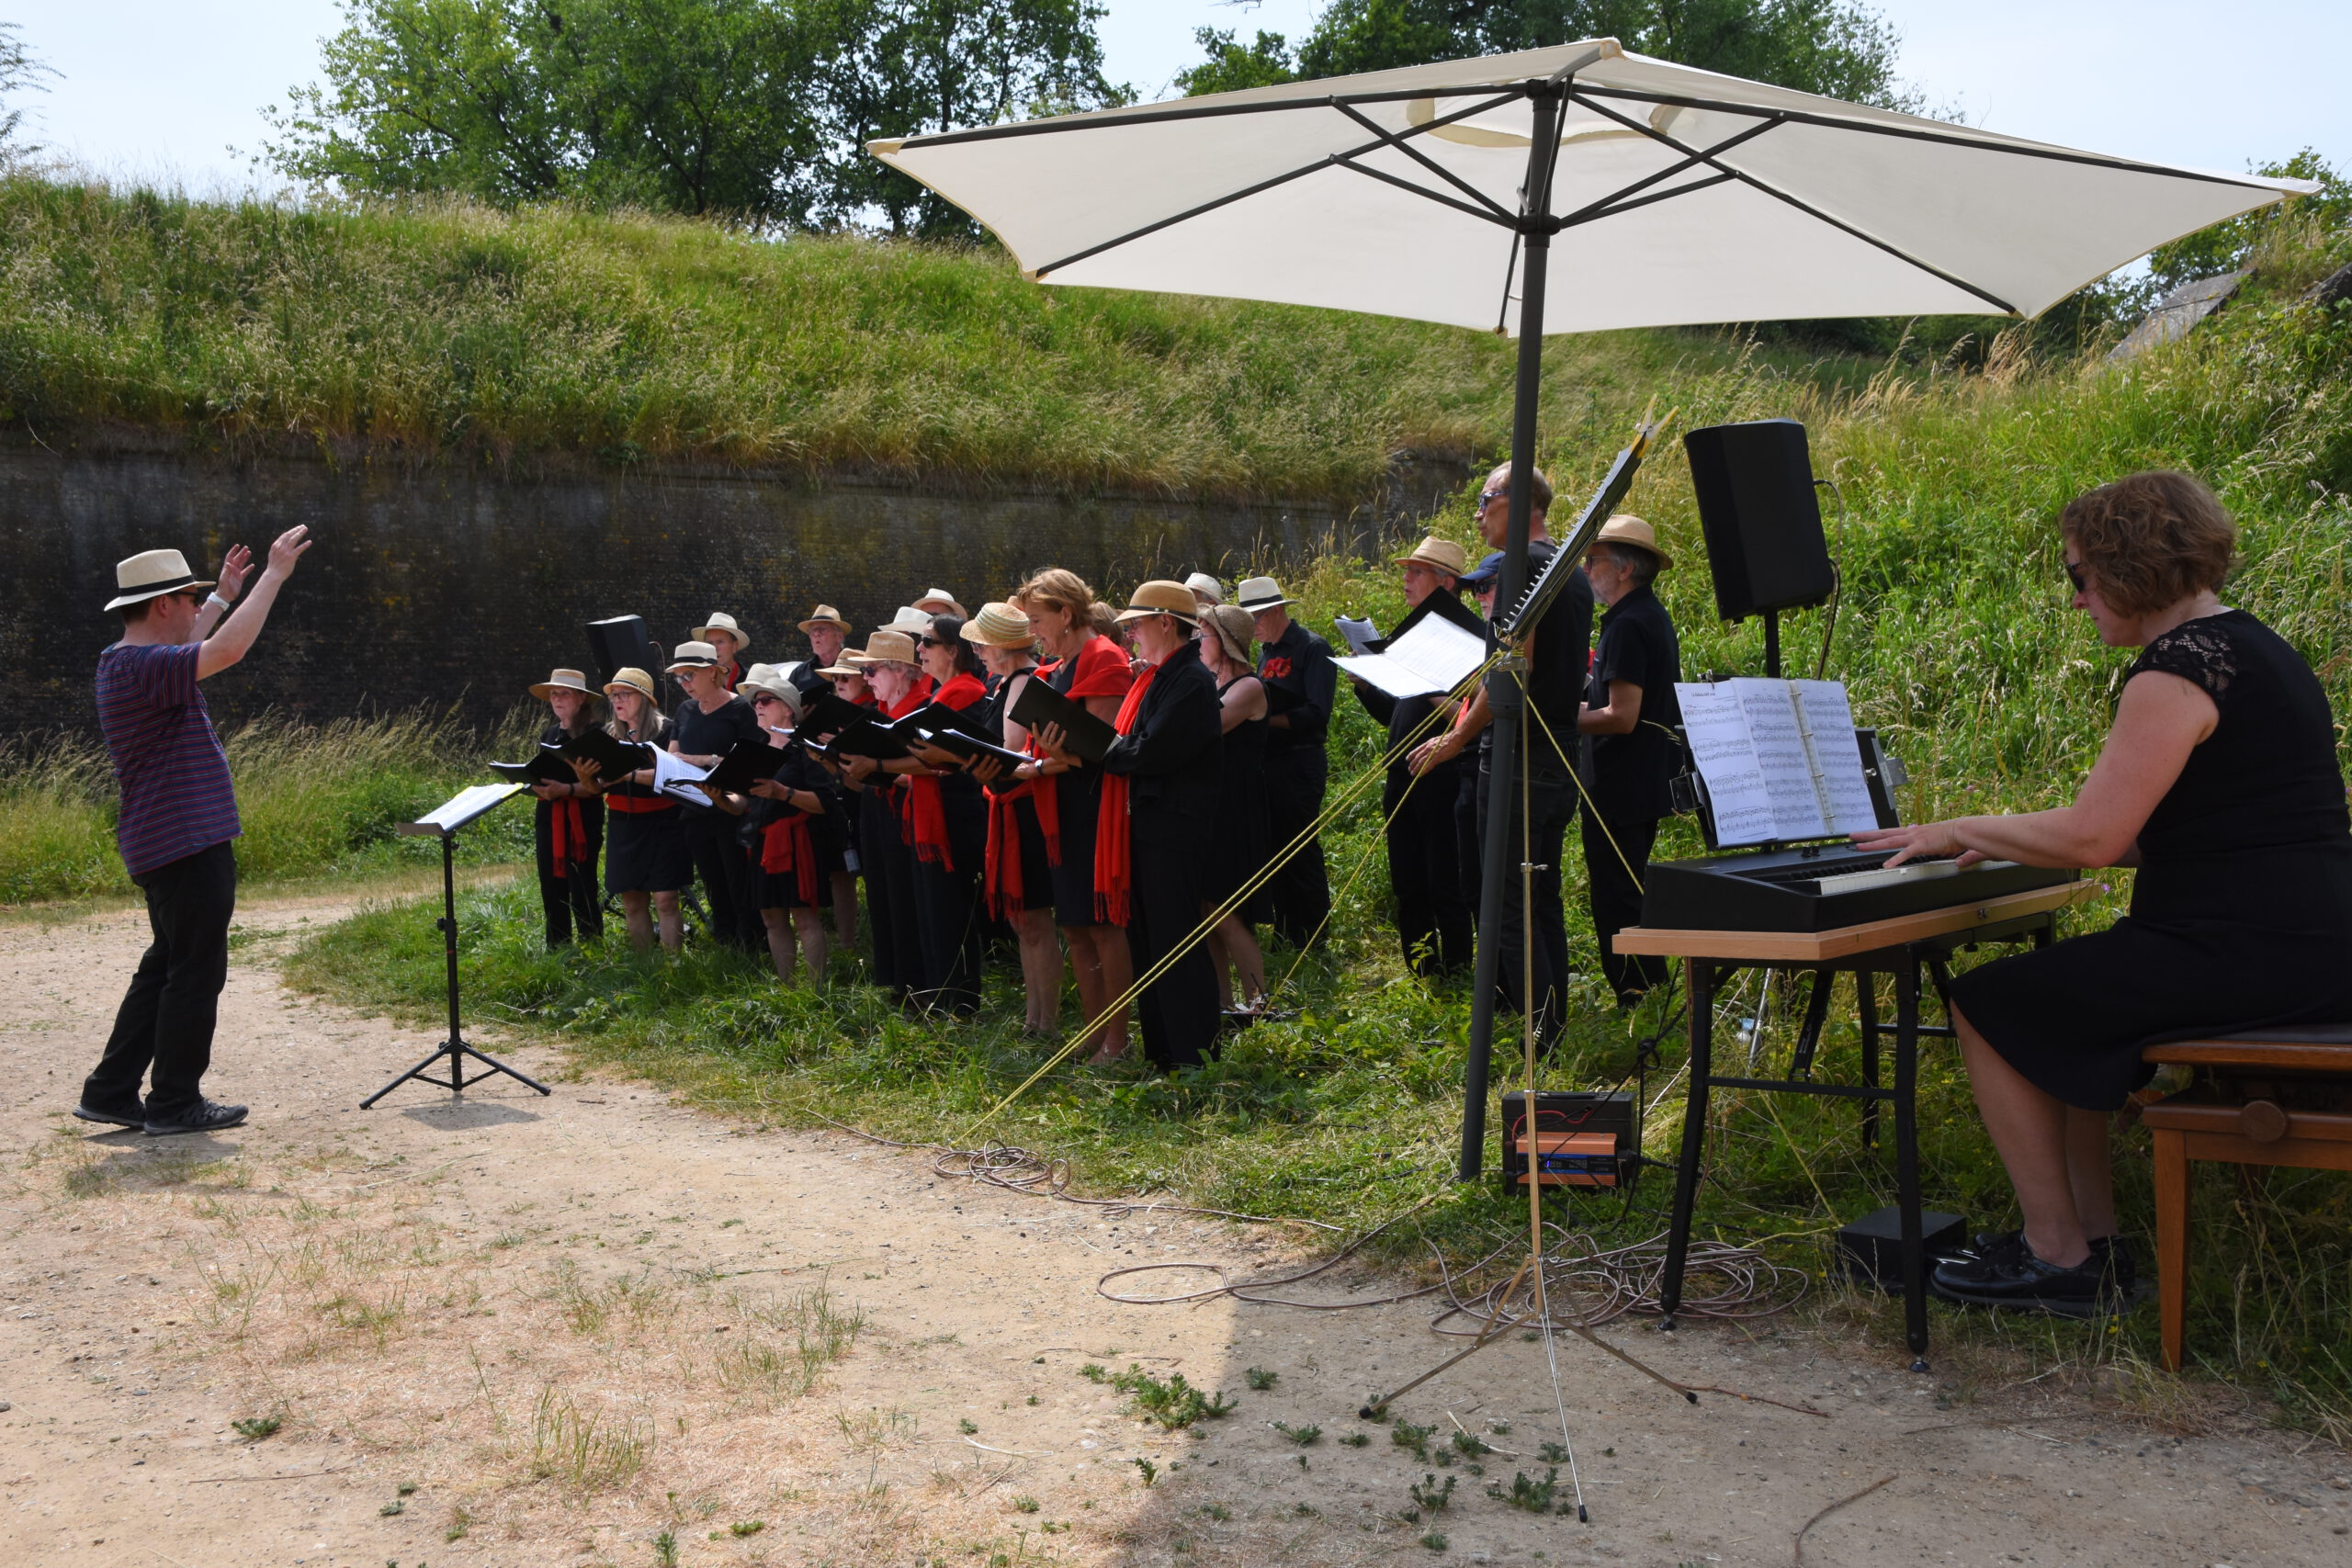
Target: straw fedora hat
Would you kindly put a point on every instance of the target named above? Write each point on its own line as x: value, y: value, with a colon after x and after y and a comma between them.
x: 693, y: 656
x: 826, y: 616
x: 908, y: 622
x: 770, y: 680
x: 943, y: 601
x: 1256, y: 593
x: 1161, y: 597
x: 151, y: 574
x: 1441, y: 556
x: 888, y: 647
x: 998, y: 625
x: 629, y: 678
x: 1234, y: 630
x: 721, y: 621
x: 1627, y: 529
x: 1206, y: 589
x: 564, y: 681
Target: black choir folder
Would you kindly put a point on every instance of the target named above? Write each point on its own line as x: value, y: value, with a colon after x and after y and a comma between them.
x: 546, y: 767
x: 551, y: 764
x: 1089, y: 738
x: 747, y: 762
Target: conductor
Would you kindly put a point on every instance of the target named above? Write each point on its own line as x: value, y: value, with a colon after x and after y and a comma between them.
x: 178, y: 814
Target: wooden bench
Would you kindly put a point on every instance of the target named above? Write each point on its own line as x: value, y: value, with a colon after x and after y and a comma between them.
x: 2267, y: 1096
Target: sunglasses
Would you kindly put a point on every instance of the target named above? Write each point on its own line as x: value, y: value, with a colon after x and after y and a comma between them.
x: 1486, y: 495
x: 2075, y: 575
x: 929, y: 642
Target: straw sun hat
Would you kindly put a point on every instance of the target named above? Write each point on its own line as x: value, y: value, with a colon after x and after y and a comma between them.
x: 1441, y: 556
x: 941, y: 596
x: 564, y: 681
x: 693, y: 656
x: 770, y: 680
x: 998, y: 625
x: 910, y: 621
x: 152, y: 574
x: 886, y: 646
x: 629, y: 678
x: 1234, y: 627
x: 1161, y: 597
x: 722, y: 622
x: 1256, y: 593
x: 1627, y: 529
x: 826, y: 616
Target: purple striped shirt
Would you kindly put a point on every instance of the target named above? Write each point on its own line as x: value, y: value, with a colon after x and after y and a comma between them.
x: 174, y: 779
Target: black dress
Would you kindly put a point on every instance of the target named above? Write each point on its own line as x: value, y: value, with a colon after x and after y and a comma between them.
x: 645, y: 835
x: 782, y: 888
x: 2241, y: 912
x: 1240, y: 850
x: 567, y: 891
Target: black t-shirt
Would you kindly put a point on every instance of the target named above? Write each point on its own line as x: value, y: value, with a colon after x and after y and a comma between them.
x: 1629, y: 772
x: 1555, y: 674
x: 714, y: 734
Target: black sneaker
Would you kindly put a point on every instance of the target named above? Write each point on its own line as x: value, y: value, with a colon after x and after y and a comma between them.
x: 2009, y: 1275
x: 204, y: 1116
x: 129, y: 1116
x: 2110, y: 1252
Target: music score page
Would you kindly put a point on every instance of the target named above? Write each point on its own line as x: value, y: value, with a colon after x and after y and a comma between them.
x: 1778, y: 758
x: 1433, y: 658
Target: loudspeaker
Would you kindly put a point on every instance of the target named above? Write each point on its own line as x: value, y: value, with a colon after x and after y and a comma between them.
x: 622, y: 643
x: 1762, y: 519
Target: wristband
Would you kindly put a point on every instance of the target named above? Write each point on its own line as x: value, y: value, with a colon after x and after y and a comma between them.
x: 216, y: 599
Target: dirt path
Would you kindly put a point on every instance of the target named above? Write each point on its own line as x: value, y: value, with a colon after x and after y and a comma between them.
x: 602, y: 1328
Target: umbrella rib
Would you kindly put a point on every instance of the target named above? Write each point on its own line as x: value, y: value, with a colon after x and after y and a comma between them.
x: 1805, y: 207
x: 1425, y: 160
x: 1597, y: 211
x: 1347, y: 161
x: 1207, y: 111
x: 1913, y: 133
x: 1608, y: 204
x: 1266, y: 184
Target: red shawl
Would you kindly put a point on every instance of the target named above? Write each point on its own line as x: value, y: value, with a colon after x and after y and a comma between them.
x: 1113, y: 864
x: 922, y: 816
x: 785, y: 845
x: 1002, y: 886
x: 568, y: 830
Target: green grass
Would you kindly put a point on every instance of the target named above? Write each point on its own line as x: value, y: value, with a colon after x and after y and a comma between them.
x: 315, y: 800
x: 448, y: 329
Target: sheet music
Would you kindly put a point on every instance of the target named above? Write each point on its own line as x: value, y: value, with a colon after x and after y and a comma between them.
x: 1828, y: 720
x: 1720, y: 749
x: 1360, y: 634
x: 1778, y: 758
x: 673, y: 776
x: 1434, y: 657
x: 465, y: 805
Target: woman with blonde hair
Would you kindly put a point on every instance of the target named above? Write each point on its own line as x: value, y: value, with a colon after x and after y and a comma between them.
x: 646, y: 860
x: 1024, y: 827
x: 1089, y: 670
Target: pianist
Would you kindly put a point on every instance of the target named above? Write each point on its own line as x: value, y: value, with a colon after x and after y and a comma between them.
x: 2218, y: 781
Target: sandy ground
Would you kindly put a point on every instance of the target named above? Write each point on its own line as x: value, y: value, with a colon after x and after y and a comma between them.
x: 602, y: 1328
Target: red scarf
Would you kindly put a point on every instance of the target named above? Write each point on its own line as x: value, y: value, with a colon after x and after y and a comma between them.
x: 1002, y: 886
x: 568, y: 833
x: 785, y: 845
x: 921, y: 809
x: 1113, y: 858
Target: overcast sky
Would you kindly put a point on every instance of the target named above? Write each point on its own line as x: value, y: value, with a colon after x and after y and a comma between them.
x: 164, y: 89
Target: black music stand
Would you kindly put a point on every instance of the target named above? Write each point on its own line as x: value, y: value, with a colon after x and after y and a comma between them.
x: 443, y: 824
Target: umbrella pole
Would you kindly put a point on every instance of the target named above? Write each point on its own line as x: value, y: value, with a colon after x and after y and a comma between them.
x: 1536, y: 238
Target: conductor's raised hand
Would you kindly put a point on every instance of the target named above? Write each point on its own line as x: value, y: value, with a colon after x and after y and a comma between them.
x: 235, y: 566
x: 1927, y: 840
x: 288, y: 549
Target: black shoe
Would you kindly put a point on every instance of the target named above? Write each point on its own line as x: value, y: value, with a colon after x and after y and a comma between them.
x: 204, y: 1116
x: 2110, y: 1252
x: 2009, y: 1275
x: 129, y: 1116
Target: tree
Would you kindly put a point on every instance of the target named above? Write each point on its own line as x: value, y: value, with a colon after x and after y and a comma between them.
x: 20, y: 72
x: 1816, y: 46
x: 754, y: 110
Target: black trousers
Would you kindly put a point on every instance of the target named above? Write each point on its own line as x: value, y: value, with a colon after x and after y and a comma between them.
x: 721, y: 869
x: 575, y: 900
x: 1178, y: 1012
x: 1551, y: 806
x: 166, y: 1018
x: 1469, y: 867
x: 878, y: 840
x: 1616, y: 900
x: 1433, y: 918
x: 951, y: 927
x: 1299, y: 895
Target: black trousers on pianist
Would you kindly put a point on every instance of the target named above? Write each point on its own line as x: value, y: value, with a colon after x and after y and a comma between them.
x: 1616, y: 900
x: 1178, y: 1012
x: 1536, y: 939
x: 1299, y: 895
x: 722, y: 868
x: 1433, y: 918
x: 163, y: 1031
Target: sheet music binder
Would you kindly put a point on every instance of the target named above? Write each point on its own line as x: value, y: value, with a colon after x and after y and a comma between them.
x: 1089, y: 738
x: 746, y: 764
x: 545, y: 766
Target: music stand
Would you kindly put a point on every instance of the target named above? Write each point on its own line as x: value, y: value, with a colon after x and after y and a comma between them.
x: 443, y: 823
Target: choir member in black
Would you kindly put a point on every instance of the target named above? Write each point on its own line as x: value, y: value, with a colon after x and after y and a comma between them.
x: 1298, y: 663
x: 1629, y: 720
x: 1092, y: 669
x: 728, y: 643
x: 646, y: 859
x: 569, y: 821
x: 1157, y: 819
x: 1480, y: 581
x: 1433, y: 918
x: 946, y: 823
x: 2221, y: 781
x: 1547, y: 697
x: 784, y: 825
x: 899, y: 687
x: 1239, y: 850
x: 1024, y: 828
x: 826, y: 632
x: 706, y: 727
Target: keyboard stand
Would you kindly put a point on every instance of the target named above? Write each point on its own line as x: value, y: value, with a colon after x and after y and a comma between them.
x: 1901, y: 948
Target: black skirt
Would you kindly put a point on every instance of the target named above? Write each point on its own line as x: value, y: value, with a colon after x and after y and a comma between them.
x: 645, y: 851
x: 1079, y: 799
x: 1037, y: 890
x: 2238, y: 942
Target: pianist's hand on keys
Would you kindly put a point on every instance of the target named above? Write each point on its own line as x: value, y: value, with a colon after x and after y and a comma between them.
x: 1929, y: 841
